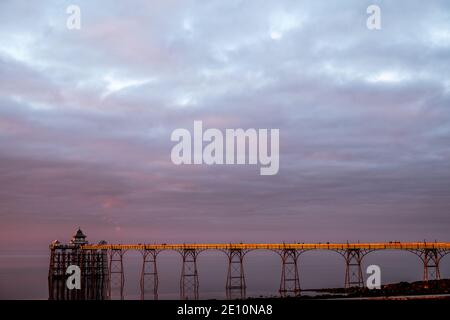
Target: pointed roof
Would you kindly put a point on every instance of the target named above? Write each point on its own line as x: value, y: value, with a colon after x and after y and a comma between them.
x: 79, y: 234
x: 79, y: 238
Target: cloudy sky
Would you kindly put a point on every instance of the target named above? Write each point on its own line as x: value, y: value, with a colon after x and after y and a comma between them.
x: 86, y: 117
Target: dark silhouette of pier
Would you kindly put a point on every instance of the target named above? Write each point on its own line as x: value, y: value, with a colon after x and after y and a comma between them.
x: 102, y: 268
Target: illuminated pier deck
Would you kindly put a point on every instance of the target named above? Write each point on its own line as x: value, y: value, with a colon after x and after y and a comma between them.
x: 275, y: 246
x: 106, y: 260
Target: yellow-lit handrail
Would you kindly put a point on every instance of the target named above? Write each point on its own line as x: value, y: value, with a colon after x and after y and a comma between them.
x: 274, y: 246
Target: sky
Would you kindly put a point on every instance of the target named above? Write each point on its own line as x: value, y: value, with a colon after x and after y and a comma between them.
x: 86, y: 117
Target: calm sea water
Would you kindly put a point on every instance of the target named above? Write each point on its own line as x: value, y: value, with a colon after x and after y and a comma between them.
x: 23, y: 275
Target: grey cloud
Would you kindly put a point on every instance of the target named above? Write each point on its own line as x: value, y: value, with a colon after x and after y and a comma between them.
x: 363, y: 115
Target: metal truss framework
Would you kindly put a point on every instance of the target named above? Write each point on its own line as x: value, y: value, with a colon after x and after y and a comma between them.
x: 431, y: 259
x: 93, y: 265
x: 189, y: 275
x: 430, y: 253
x: 149, y: 274
x: 353, y: 266
x: 116, y: 273
x: 235, y: 286
x: 290, y: 280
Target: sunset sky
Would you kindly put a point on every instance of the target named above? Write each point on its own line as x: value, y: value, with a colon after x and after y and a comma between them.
x: 86, y: 117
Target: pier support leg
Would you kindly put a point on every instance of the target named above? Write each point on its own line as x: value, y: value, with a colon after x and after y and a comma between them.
x: 235, y: 287
x: 189, y: 275
x: 431, y: 259
x: 90, y: 275
x: 353, y: 270
x: 56, y: 275
x: 103, y: 270
x: 290, y: 281
x: 97, y: 275
x: 60, y: 259
x: 149, y: 275
x: 116, y: 274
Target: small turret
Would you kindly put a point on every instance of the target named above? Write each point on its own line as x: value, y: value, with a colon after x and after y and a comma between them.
x: 79, y: 238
